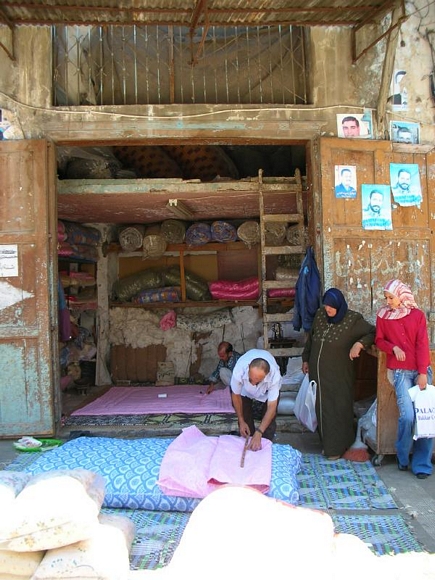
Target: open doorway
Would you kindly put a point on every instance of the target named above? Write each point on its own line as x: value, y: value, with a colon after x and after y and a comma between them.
x: 85, y: 174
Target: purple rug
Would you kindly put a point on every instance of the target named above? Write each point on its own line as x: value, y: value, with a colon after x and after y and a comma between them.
x: 159, y: 401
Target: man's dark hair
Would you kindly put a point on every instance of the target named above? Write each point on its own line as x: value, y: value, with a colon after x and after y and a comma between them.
x: 225, y: 345
x: 260, y: 363
x: 403, y: 170
x: 375, y: 191
x: 347, y: 119
x: 399, y: 73
x: 344, y: 170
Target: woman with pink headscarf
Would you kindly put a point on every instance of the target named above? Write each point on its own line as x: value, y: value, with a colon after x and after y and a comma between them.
x: 401, y: 332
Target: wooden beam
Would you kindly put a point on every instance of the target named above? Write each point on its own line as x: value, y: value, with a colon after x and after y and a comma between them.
x: 387, y: 72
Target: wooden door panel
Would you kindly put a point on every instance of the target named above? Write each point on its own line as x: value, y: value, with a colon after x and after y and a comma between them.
x: 350, y: 260
x: 27, y: 298
x: 346, y: 212
x: 361, y: 270
x: 17, y: 212
x: 359, y: 261
x: 21, y: 366
x: 22, y: 290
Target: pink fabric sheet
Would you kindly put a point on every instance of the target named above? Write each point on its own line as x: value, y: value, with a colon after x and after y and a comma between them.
x: 146, y: 401
x: 194, y: 464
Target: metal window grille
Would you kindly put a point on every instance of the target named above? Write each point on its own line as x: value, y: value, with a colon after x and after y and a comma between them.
x: 138, y: 65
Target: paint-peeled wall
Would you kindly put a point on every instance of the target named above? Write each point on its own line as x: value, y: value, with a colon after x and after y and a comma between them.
x: 338, y: 84
x: 415, y: 56
x: 192, y: 338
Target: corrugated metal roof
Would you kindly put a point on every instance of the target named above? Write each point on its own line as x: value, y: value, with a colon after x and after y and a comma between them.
x: 195, y: 13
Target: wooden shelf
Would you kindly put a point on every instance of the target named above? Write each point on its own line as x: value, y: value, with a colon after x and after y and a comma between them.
x: 285, y: 303
x: 187, y: 304
x: 184, y: 248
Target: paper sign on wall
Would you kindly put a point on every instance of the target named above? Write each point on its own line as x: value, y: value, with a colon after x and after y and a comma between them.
x: 8, y: 261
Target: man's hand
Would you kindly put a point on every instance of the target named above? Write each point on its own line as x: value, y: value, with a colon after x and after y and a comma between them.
x: 305, y: 367
x: 210, y: 388
x: 244, y: 429
x: 255, y: 442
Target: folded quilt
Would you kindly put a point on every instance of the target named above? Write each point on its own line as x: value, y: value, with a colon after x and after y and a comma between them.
x: 195, y: 464
x: 225, y: 466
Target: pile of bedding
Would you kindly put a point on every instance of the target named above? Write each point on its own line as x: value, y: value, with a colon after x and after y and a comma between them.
x: 51, y: 527
x: 156, y: 280
x: 76, y: 241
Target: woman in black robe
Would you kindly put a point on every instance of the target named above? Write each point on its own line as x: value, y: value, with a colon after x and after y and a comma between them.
x: 336, y: 338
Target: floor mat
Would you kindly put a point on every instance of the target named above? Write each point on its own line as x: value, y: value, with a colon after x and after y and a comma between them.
x: 341, y: 485
x: 382, y: 534
x: 157, y: 536
x: 323, y: 485
x: 223, y: 422
x: 22, y: 460
x: 159, y: 400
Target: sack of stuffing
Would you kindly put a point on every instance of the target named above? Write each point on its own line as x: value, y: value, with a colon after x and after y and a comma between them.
x: 198, y: 234
x: 131, y: 238
x: 125, y: 288
x: 103, y: 556
x: 249, y: 233
x: 19, y: 565
x: 204, y: 323
x: 222, y: 231
x: 247, y: 289
x: 174, y: 231
x: 274, y: 233
x: 54, y: 509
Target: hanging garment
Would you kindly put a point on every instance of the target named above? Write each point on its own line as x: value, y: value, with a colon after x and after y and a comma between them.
x: 64, y: 315
x: 308, y: 296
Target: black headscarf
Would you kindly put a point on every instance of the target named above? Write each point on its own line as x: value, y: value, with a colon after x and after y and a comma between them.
x: 334, y: 298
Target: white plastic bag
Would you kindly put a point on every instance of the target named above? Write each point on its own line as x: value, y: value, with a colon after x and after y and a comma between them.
x: 368, y: 422
x: 305, y: 404
x: 424, y: 407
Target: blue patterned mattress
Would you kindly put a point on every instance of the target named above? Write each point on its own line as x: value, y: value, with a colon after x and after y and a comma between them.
x: 131, y: 468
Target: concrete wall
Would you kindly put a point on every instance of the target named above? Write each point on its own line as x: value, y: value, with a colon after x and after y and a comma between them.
x: 338, y: 85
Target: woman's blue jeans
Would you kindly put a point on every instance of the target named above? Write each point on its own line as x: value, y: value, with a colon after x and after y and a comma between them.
x: 421, y: 448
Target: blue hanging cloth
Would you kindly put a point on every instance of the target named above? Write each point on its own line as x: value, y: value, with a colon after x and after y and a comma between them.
x: 64, y: 315
x: 308, y: 296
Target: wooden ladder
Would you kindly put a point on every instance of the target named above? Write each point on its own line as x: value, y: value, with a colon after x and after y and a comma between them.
x: 296, y: 219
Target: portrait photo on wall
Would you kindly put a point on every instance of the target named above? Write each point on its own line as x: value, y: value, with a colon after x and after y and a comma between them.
x: 404, y: 132
x: 399, y: 92
x: 355, y: 125
x: 376, y: 207
x: 405, y: 183
x: 345, y: 181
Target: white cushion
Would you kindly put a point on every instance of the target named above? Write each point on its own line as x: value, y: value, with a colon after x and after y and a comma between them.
x: 14, y: 565
x: 103, y: 556
x: 54, y: 509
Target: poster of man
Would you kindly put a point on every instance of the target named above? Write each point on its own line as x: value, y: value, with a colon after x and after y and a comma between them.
x: 345, y: 181
x: 405, y: 183
x: 404, y: 132
x: 376, y: 207
x: 355, y: 125
x: 399, y: 92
